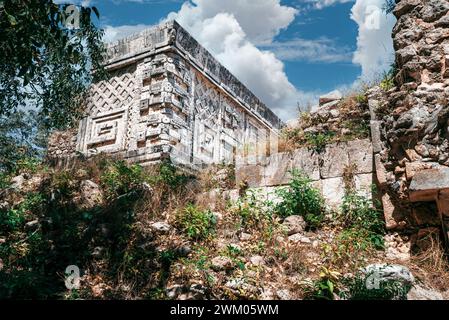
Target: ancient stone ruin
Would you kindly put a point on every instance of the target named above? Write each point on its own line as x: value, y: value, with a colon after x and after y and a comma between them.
x: 169, y: 97
x: 410, y: 122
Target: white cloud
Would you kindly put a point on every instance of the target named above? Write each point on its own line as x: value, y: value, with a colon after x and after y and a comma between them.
x: 321, y: 50
x: 229, y: 30
x: 261, y: 20
x: 375, y: 51
x: 320, y: 4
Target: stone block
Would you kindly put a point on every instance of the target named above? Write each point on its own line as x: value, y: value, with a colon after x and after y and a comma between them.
x: 375, y: 136
x: 373, y: 105
x: 333, y: 191
x: 251, y: 174
x: 389, y: 209
x: 331, y: 96
x: 427, y: 184
x: 381, y: 172
x: 364, y: 184
x: 308, y: 162
x: 276, y: 172
x: 334, y: 160
x: 361, y: 154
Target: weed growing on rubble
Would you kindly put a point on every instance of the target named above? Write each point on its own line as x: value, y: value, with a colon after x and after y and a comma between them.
x: 195, y: 223
x: 301, y: 198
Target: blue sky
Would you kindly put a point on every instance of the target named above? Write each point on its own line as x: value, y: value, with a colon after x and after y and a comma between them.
x: 285, y: 51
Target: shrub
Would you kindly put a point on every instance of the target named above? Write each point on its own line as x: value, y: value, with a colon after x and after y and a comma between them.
x: 196, y: 224
x: 325, y: 287
x: 387, y: 83
x: 300, y: 198
x: 362, y: 220
x: 253, y: 213
x: 318, y: 141
x: 120, y: 178
x: 15, y: 217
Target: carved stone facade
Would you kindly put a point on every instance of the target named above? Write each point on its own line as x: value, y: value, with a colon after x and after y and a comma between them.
x: 169, y: 97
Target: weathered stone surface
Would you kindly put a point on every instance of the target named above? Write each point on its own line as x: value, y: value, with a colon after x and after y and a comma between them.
x: 364, y: 184
x: 294, y: 224
x: 18, y: 182
x: 168, y: 97
x: 299, y: 238
x: 221, y: 263
x: 257, y: 261
x: 361, y: 154
x: 381, y: 172
x: 307, y: 161
x: 253, y: 175
x: 331, y: 96
x: 405, y: 6
x: 333, y: 191
x: 91, y: 194
x: 161, y: 227
x: 276, y: 171
x: 427, y: 183
x: 389, y: 208
x: 412, y: 168
x: 375, y: 136
x: 334, y: 160
x: 434, y: 10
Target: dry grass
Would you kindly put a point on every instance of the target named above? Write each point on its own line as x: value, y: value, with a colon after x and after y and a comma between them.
x: 431, y: 265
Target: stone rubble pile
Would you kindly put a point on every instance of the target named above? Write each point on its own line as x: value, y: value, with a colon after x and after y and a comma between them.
x: 409, y: 123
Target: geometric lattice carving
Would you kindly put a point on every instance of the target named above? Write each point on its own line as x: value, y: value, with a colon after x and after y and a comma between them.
x: 120, y: 90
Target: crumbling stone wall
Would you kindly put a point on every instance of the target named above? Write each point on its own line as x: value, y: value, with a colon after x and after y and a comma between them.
x: 61, y: 148
x: 330, y: 171
x: 410, y: 122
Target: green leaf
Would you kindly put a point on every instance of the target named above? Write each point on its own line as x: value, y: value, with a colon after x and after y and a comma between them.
x: 12, y: 19
x: 95, y: 10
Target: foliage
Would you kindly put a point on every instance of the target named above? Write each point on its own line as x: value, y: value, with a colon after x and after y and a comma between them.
x: 318, y: 141
x: 389, y: 6
x: 15, y: 217
x: 300, y: 198
x: 387, y: 83
x: 43, y: 63
x: 120, y: 178
x: 361, y: 98
x: 253, y: 213
x: 196, y: 224
x: 17, y: 139
x: 168, y: 175
x: 363, y: 222
x: 325, y: 287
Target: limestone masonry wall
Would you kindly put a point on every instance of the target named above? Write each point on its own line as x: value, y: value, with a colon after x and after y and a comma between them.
x: 410, y: 122
x: 329, y: 170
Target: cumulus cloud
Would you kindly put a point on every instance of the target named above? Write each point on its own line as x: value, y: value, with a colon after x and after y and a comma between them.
x: 261, y: 20
x: 375, y: 51
x: 231, y: 29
